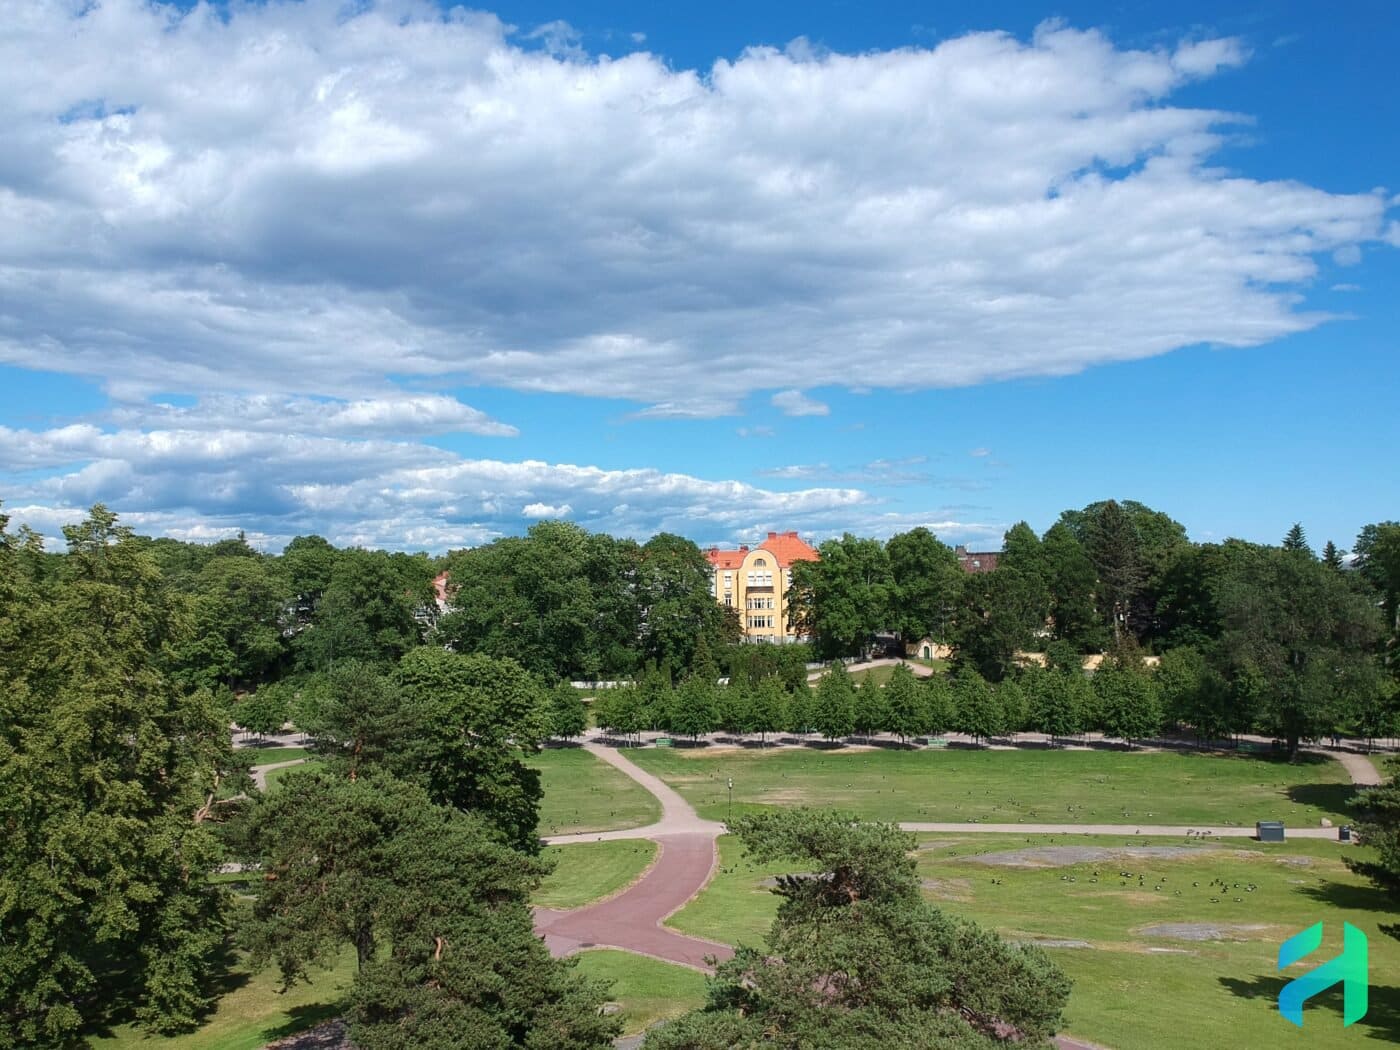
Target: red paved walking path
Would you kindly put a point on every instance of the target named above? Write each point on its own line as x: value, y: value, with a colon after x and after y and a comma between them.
x: 631, y: 920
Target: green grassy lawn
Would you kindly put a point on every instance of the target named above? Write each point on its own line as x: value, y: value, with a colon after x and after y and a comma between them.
x: 583, y: 794
x: 251, y: 1013
x: 1133, y: 989
x: 274, y: 776
x: 878, y: 675
x: 1091, y: 787
x: 590, y: 871
x: 580, y: 793
x: 647, y: 990
x: 262, y: 756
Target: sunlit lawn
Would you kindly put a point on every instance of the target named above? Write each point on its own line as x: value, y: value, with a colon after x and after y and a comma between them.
x: 274, y: 776
x: 252, y: 1013
x: 1133, y: 990
x: 647, y: 990
x: 590, y: 871
x: 262, y: 756
x: 583, y: 793
x: 1062, y: 786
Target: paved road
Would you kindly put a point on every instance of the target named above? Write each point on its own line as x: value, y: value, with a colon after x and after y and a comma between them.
x: 631, y: 920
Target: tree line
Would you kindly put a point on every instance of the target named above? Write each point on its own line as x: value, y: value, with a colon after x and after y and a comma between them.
x: 1253, y: 637
x: 1125, y: 700
x: 413, y: 845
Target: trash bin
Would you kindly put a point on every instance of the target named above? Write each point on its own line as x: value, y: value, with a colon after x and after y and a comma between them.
x: 1268, y: 830
x: 1344, y: 833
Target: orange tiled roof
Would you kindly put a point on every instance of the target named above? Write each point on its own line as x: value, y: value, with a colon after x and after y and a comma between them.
x: 785, y: 547
x: 725, y: 559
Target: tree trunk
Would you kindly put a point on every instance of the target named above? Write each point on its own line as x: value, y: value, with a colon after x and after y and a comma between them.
x: 364, y: 948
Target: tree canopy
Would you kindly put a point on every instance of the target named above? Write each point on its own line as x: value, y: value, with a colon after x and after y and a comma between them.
x: 856, y: 958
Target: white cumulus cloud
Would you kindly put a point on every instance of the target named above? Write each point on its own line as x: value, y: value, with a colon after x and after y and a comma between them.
x: 796, y: 403
x: 306, y: 198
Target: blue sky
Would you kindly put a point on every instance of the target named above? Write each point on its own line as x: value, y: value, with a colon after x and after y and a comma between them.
x: 416, y: 280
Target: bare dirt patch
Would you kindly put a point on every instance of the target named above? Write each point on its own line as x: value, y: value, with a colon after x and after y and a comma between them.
x: 786, y: 797
x: 948, y: 889
x: 1201, y: 931
x: 1065, y: 856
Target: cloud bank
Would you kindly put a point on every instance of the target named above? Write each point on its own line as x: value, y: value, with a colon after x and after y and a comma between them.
x: 318, y: 220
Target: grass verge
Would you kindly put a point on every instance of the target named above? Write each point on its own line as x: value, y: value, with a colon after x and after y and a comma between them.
x: 582, y: 793
x: 590, y: 871
x: 647, y: 990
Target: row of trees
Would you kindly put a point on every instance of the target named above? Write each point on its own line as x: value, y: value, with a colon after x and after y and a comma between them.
x: 560, y: 601
x: 1275, y: 639
x: 1123, y: 700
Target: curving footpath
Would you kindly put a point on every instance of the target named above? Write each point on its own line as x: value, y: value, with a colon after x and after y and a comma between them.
x: 631, y: 920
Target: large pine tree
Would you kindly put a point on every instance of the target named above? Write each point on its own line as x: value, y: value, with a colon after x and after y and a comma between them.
x: 109, y: 779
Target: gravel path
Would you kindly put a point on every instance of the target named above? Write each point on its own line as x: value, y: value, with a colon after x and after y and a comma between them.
x: 260, y: 772
x: 1361, y: 769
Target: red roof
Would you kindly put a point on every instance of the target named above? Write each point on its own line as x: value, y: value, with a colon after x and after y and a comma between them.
x: 788, y: 548
x: 725, y: 559
x: 785, y: 547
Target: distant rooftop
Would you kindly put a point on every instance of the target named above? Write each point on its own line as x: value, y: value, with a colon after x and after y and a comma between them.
x: 786, y: 548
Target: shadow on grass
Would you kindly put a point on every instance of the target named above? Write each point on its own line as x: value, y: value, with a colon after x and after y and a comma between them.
x: 224, y: 976
x: 1331, y: 798
x: 304, y: 1017
x: 1382, y: 1018
x: 1350, y: 896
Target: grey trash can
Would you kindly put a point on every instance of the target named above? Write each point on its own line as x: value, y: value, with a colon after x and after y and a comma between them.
x: 1344, y: 833
x: 1269, y: 830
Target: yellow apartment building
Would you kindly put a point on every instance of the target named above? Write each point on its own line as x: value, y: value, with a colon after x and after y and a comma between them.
x: 755, y: 582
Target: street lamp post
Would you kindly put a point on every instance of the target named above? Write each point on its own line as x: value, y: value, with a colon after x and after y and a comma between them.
x: 731, y: 800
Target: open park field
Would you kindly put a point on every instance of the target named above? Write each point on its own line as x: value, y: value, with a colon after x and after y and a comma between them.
x: 1165, y: 956
x: 589, y: 871
x: 1060, y: 786
x: 1188, y: 965
x: 583, y: 794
